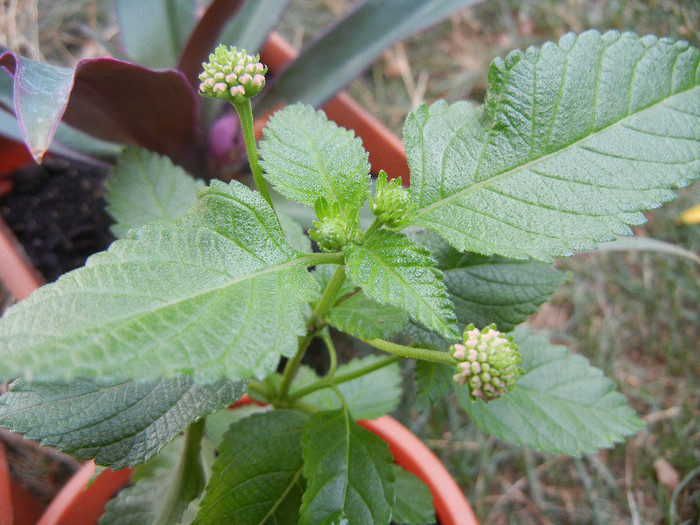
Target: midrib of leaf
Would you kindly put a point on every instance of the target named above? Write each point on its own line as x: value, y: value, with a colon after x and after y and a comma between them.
x: 279, y: 501
x: 528, y: 165
x: 215, y: 292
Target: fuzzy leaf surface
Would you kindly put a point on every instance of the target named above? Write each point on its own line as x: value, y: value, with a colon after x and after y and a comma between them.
x: 364, y: 318
x: 257, y: 477
x: 217, y: 293
x: 349, y: 472
x: 306, y: 156
x: 118, y: 425
x: 561, y: 404
x: 414, y: 502
x: 161, y: 491
x: 146, y: 187
x: 573, y: 142
x: 394, y: 270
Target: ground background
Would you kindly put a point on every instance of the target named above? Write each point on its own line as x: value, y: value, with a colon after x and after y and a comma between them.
x: 636, y: 315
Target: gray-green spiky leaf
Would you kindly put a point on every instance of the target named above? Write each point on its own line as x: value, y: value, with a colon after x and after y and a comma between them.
x: 561, y: 404
x: 217, y: 293
x: 147, y: 187
x: 574, y: 141
x: 118, y: 425
x: 306, y: 156
x: 394, y: 270
x: 349, y: 472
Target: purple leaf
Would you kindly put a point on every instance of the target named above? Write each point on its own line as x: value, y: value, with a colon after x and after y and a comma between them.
x: 111, y: 100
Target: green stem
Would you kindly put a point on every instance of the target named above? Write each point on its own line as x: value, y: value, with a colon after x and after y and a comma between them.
x: 245, y: 113
x: 189, y: 479
x: 314, y: 259
x: 330, y: 381
x: 332, y: 354
x: 316, y: 323
x: 410, y: 352
x: 261, y: 389
x: 372, y: 228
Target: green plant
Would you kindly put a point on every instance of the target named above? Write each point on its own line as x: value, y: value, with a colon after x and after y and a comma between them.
x: 181, y: 317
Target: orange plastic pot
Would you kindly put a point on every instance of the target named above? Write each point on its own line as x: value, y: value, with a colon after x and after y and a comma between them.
x: 75, y: 504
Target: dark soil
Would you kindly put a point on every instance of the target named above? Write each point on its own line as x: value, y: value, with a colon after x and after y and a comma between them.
x: 56, y: 210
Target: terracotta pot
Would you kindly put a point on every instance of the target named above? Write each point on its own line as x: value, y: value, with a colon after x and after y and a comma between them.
x: 17, y: 505
x: 75, y: 504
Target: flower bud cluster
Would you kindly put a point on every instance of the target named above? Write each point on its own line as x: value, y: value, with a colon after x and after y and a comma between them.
x: 232, y: 75
x: 334, y: 227
x: 487, y: 362
x: 392, y: 205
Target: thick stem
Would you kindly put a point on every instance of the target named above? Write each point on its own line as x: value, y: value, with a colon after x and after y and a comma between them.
x: 376, y: 224
x: 411, y: 352
x: 322, y: 308
x: 245, y: 113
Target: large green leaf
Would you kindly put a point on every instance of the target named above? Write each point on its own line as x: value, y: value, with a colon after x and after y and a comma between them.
x: 217, y: 293
x: 350, y: 478
x: 414, y: 502
x: 162, y: 488
x: 306, y: 156
x: 574, y: 140
x: 147, y: 187
x: 118, y: 425
x: 489, y: 290
x: 392, y: 269
x: 257, y: 477
x: 348, y: 47
x: 561, y: 404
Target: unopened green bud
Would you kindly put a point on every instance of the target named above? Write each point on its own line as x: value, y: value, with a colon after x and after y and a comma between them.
x: 488, y: 362
x: 392, y: 204
x: 330, y: 234
x: 232, y: 75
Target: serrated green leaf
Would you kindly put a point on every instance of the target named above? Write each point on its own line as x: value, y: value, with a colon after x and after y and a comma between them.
x: 306, y: 156
x: 497, y: 290
x: 162, y: 490
x: 257, y: 477
x: 217, y: 293
x: 574, y: 141
x: 364, y: 318
x: 350, y: 478
x: 433, y: 382
x: 414, y: 502
x: 493, y: 289
x: 561, y: 404
x: 367, y: 397
x: 294, y: 233
x: 394, y: 270
x: 147, y: 187
x: 118, y: 425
